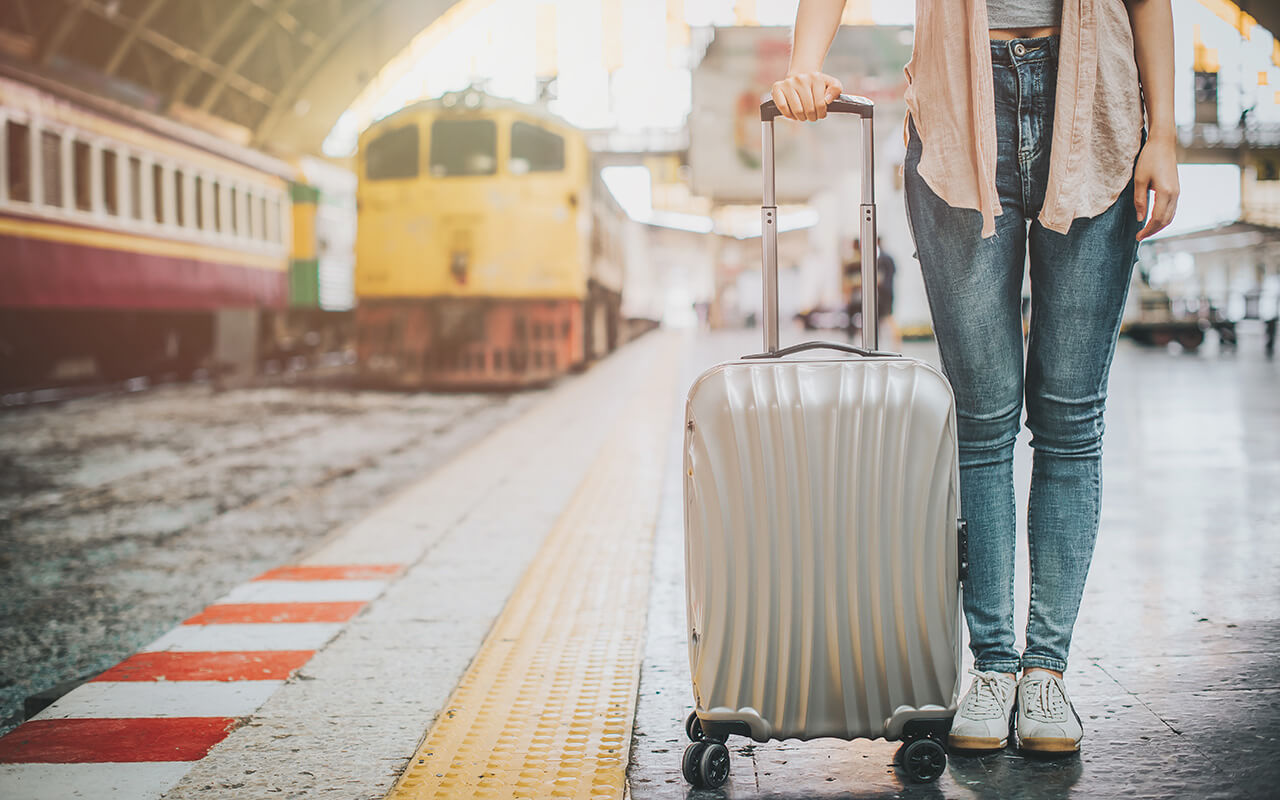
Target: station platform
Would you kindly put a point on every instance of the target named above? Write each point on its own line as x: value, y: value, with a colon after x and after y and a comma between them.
x: 512, y: 624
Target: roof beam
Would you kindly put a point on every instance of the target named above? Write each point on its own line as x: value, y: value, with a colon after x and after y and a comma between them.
x: 229, y: 25
x: 147, y: 58
x: 24, y: 14
x: 231, y: 68
x: 291, y: 24
x: 179, y: 52
x: 62, y: 31
x: 288, y: 95
x: 131, y: 35
x: 284, y: 59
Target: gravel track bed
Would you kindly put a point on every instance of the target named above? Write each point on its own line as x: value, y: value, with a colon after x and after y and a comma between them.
x: 122, y: 515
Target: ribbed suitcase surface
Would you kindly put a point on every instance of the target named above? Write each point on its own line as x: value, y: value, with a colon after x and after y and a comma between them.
x: 821, y: 504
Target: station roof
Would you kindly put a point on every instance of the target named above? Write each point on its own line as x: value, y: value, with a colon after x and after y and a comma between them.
x: 274, y: 74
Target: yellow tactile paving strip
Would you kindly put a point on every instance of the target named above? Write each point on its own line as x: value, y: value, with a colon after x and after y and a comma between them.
x: 546, y: 707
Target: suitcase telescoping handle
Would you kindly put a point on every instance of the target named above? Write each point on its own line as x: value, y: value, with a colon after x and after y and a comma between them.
x: 844, y: 104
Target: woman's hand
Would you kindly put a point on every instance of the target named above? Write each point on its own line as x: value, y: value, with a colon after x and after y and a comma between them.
x: 803, y: 96
x: 1156, y: 171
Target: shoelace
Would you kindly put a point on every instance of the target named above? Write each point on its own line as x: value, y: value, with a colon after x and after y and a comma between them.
x: 984, y: 700
x: 1048, y: 699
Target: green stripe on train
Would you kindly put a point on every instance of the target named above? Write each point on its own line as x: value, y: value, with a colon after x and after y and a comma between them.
x: 304, y: 283
x: 303, y: 193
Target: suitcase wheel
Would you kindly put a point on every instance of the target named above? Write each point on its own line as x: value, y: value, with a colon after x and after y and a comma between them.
x: 696, y: 733
x: 693, y: 727
x: 924, y: 760
x: 705, y: 764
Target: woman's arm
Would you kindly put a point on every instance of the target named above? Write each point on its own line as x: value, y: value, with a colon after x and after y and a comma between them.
x: 805, y: 91
x: 1157, y: 167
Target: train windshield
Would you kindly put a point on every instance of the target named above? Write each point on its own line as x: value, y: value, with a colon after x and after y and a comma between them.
x: 535, y: 149
x: 463, y: 147
x: 394, y: 154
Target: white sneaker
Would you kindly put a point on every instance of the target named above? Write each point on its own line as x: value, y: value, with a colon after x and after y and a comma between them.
x: 982, y: 720
x: 1046, y: 720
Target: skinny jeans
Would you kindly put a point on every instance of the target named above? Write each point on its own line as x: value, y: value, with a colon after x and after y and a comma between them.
x: 1079, y: 282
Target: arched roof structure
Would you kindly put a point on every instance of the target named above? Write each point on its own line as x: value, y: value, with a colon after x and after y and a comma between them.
x: 274, y: 74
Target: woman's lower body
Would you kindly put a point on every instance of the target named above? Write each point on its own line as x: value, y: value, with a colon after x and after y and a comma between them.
x: 1079, y: 282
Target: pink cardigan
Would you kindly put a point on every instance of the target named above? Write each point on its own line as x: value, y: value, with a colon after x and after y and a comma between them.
x: 1098, y: 112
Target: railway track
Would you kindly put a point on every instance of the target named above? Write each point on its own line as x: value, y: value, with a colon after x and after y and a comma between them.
x: 122, y: 512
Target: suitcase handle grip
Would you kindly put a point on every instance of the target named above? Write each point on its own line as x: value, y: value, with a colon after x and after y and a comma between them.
x: 844, y: 104
x: 803, y: 346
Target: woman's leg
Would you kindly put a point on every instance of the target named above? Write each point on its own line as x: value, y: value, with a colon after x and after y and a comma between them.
x: 974, y: 289
x: 1079, y: 282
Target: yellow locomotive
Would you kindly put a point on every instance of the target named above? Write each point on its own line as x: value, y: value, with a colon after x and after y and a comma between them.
x: 485, y: 247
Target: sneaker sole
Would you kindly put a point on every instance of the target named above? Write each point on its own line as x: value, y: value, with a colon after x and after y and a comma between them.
x: 1046, y: 745
x: 976, y: 743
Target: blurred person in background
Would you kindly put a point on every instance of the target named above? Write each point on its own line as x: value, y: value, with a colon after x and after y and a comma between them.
x: 851, y: 290
x: 885, y: 269
x: 1046, y: 125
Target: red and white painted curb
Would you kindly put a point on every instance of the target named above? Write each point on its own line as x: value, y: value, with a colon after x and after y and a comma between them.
x: 135, y: 730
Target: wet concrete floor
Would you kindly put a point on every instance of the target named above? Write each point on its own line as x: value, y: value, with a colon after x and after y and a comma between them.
x: 1175, y: 665
x: 121, y: 515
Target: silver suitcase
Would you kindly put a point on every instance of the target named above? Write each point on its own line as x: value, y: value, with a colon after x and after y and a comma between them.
x: 823, y: 548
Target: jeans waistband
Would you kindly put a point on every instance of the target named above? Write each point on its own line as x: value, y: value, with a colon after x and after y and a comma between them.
x: 1024, y: 51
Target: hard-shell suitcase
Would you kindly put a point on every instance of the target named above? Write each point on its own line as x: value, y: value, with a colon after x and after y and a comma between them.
x: 823, y: 545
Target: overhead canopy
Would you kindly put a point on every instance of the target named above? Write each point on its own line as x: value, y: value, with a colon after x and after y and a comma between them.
x: 274, y: 74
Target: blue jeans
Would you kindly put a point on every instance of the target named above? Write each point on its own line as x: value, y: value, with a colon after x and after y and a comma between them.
x: 1078, y: 286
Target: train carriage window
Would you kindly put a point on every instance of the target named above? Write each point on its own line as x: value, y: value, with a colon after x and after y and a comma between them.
x: 82, y: 175
x: 110, y: 185
x: 199, y: 203
x: 392, y: 155
x: 157, y: 191
x: 273, y: 222
x: 535, y: 149
x: 135, y: 187
x: 179, y: 198
x: 463, y: 147
x: 51, y: 165
x: 217, y: 207
x: 18, y: 161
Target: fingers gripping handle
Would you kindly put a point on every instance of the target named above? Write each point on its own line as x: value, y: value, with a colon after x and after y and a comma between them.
x: 867, y: 220
x: 844, y: 104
